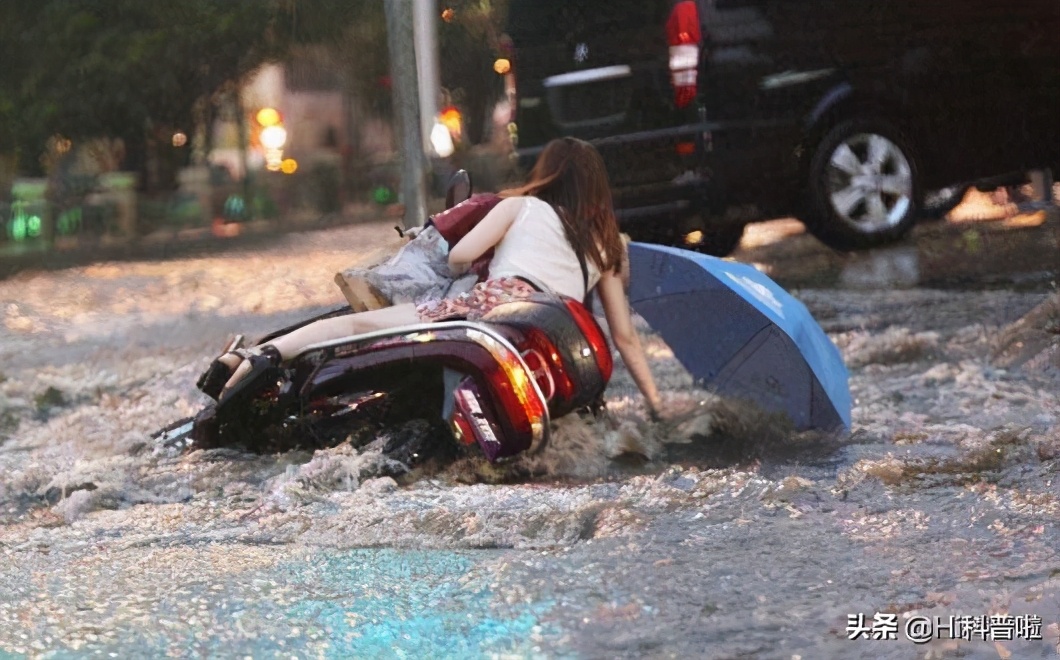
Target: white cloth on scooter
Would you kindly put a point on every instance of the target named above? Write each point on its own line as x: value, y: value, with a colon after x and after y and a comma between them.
x: 418, y: 272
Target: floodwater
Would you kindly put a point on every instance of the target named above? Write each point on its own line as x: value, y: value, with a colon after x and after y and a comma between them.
x: 983, y: 245
x: 715, y: 536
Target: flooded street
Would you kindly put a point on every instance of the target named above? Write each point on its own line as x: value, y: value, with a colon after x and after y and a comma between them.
x: 716, y: 535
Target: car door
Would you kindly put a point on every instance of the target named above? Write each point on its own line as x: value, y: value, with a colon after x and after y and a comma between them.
x: 767, y: 64
x: 579, y: 64
x: 981, y: 81
x: 592, y: 69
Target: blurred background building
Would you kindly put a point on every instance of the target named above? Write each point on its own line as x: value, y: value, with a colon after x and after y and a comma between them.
x: 256, y: 124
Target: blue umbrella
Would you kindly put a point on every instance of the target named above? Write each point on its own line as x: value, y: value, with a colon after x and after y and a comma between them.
x: 741, y: 335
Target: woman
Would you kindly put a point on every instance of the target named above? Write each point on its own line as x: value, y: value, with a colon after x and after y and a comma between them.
x: 537, y: 232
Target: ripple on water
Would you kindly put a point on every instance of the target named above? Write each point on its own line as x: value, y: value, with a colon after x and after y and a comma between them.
x: 367, y: 603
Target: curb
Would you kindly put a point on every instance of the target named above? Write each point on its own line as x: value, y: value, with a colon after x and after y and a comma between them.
x: 169, y: 244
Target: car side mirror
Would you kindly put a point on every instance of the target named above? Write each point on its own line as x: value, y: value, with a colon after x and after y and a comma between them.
x: 458, y: 189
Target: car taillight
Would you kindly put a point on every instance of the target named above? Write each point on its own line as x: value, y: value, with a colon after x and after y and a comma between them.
x: 683, y: 35
x: 592, y: 333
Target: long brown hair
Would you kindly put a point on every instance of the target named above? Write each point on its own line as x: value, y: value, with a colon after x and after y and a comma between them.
x: 570, y: 175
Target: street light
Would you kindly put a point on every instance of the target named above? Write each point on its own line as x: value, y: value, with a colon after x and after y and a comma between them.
x: 442, y: 140
x: 268, y: 117
x: 273, y: 137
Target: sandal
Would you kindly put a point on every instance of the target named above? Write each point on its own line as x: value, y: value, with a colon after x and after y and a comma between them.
x: 213, y: 380
x: 260, y: 363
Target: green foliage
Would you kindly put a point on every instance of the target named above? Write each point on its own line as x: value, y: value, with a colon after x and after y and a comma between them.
x: 363, y: 55
x: 84, y: 68
x: 138, y: 70
x: 468, y: 44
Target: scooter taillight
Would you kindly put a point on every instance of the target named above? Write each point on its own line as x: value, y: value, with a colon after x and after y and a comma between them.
x: 462, y: 428
x: 516, y: 392
x: 541, y: 369
x: 595, y: 336
x: 512, y: 420
x: 561, y: 384
x: 684, y: 37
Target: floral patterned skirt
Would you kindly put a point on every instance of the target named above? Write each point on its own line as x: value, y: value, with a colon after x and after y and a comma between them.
x: 475, y: 303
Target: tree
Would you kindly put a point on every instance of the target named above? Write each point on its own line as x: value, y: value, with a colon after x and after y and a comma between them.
x: 363, y: 56
x: 469, y: 41
x: 137, y: 70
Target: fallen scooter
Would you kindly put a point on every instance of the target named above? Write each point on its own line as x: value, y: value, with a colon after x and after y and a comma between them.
x: 496, y: 383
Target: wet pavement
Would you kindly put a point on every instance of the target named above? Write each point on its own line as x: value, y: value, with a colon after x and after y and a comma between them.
x: 981, y: 246
x: 719, y: 537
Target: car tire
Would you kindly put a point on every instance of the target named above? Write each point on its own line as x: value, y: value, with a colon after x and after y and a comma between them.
x: 863, y: 186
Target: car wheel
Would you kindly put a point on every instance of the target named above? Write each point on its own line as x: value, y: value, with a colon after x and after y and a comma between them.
x: 863, y: 186
x: 938, y: 204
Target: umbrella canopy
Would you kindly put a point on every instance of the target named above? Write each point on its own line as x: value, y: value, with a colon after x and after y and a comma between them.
x: 738, y: 333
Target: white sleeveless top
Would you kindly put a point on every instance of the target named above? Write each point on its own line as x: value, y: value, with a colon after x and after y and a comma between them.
x: 536, y: 248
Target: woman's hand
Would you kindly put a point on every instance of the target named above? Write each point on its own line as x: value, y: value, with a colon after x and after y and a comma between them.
x: 458, y: 268
x: 653, y: 414
x: 655, y: 408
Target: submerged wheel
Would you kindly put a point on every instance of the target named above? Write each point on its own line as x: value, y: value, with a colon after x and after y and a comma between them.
x: 863, y: 186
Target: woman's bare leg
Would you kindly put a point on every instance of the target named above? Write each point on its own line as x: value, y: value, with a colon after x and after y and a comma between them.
x: 336, y: 327
x: 343, y: 326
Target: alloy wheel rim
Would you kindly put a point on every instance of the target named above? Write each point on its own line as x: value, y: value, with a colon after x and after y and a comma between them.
x: 869, y: 182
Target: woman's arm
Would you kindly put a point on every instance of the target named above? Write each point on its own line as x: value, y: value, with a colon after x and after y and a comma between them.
x: 486, y: 234
x: 627, y: 341
x: 623, y: 271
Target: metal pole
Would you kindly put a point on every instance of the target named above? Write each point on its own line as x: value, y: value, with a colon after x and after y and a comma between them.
x: 405, y: 89
x: 426, y: 30
x: 244, y: 145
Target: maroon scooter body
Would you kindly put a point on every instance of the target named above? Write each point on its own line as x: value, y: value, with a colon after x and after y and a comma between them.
x: 520, y: 366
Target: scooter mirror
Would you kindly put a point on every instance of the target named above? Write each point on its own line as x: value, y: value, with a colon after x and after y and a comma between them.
x: 458, y: 189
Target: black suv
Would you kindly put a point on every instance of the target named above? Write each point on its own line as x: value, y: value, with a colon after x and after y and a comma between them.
x: 714, y: 113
